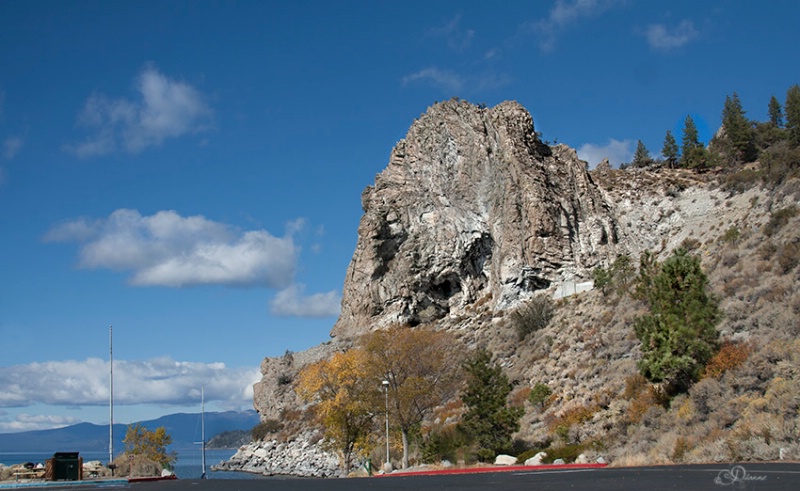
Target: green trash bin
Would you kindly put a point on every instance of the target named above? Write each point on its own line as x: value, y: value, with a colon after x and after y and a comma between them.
x: 66, y: 466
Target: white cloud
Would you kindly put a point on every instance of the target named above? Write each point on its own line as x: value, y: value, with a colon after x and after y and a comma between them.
x: 11, y: 147
x: 166, y: 249
x: 615, y: 151
x: 457, y: 39
x: 166, y: 108
x: 291, y: 302
x: 158, y: 381
x: 444, y: 79
x: 663, y: 38
x: 563, y: 14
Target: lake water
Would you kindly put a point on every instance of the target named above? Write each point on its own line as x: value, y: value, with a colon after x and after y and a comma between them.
x: 188, y: 466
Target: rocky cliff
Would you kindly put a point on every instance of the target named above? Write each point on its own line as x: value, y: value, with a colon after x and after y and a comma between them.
x: 474, y: 214
x: 471, y: 205
x: 472, y: 208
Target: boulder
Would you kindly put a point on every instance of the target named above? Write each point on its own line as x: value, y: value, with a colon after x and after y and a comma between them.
x: 536, y: 459
x: 503, y: 459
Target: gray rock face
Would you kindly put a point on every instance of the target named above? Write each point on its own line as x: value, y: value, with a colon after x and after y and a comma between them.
x: 471, y: 206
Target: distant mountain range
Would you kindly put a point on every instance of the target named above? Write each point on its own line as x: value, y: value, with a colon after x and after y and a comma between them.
x: 184, y: 428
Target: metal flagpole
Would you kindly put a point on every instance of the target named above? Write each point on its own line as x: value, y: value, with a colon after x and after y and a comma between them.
x: 110, y: 396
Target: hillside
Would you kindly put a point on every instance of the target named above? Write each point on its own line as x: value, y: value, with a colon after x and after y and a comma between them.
x: 475, y: 217
x: 184, y: 428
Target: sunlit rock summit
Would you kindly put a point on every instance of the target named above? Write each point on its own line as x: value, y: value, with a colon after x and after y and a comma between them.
x: 472, y: 206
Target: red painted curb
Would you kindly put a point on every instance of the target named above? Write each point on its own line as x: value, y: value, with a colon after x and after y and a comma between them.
x: 507, y: 468
x: 152, y: 479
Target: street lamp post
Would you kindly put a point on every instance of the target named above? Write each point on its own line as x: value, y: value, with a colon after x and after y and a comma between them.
x: 388, y: 466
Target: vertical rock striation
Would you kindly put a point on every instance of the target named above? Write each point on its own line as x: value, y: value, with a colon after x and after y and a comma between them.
x: 472, y: 205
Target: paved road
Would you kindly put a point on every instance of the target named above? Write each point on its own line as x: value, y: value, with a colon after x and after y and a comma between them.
x: 690, y: 477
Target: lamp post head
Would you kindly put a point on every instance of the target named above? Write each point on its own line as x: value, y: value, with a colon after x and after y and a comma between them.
x: 385, y: 383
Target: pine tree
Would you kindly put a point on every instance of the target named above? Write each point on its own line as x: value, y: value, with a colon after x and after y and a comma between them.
x: 489, y: 420
x: 670, y: 149
x: 693, y: 155
x: 678, y: 335
x: 738, y: 130
x: 642, y: 156
x: 775, y: 112
x: 792, y: 112
x: 690, y: 137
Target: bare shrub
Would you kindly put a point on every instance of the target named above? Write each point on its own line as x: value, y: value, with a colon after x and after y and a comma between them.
x: 729, y: 259
x: 690, y: 244
x: 518, y: 397
x: 560, y: 425
x: 706, y: 396
x: 788, y: 256
x: 767, y: 250
x: 778, y: 219
x: 532, y: 316
x: 730, y: 355
x: 265, y: 428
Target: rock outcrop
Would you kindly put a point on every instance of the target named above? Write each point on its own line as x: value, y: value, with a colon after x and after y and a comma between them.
x: 474, y: 214
x: 472, y: 208
x: 471, y: 205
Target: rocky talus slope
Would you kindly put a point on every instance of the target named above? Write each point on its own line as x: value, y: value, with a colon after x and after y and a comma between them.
x: 474, y: 215
x: 298, y: 456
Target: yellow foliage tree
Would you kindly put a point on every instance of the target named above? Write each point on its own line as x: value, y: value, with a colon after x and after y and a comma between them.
x: 343, y: 401
x: 423, y: 369
x: 149, y: 445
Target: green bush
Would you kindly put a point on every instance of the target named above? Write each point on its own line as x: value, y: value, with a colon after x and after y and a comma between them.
x: 731, y: 236
x: 444, y: 444
x: 539, y: 395
x: 568, y: 453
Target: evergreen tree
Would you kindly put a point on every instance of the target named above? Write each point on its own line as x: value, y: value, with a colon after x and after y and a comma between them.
x: 738, y: 130
x: 678, y: 335
x: 602, y: 279
x: 775, y: 112
x: 693, y: 155
x: 489, y: 420
x: 642, y: 156
x: 670, y: 149
x: 792, y: 113
x: 690, y: 136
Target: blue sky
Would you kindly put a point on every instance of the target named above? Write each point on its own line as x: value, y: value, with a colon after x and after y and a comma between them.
x: 191, y: 172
